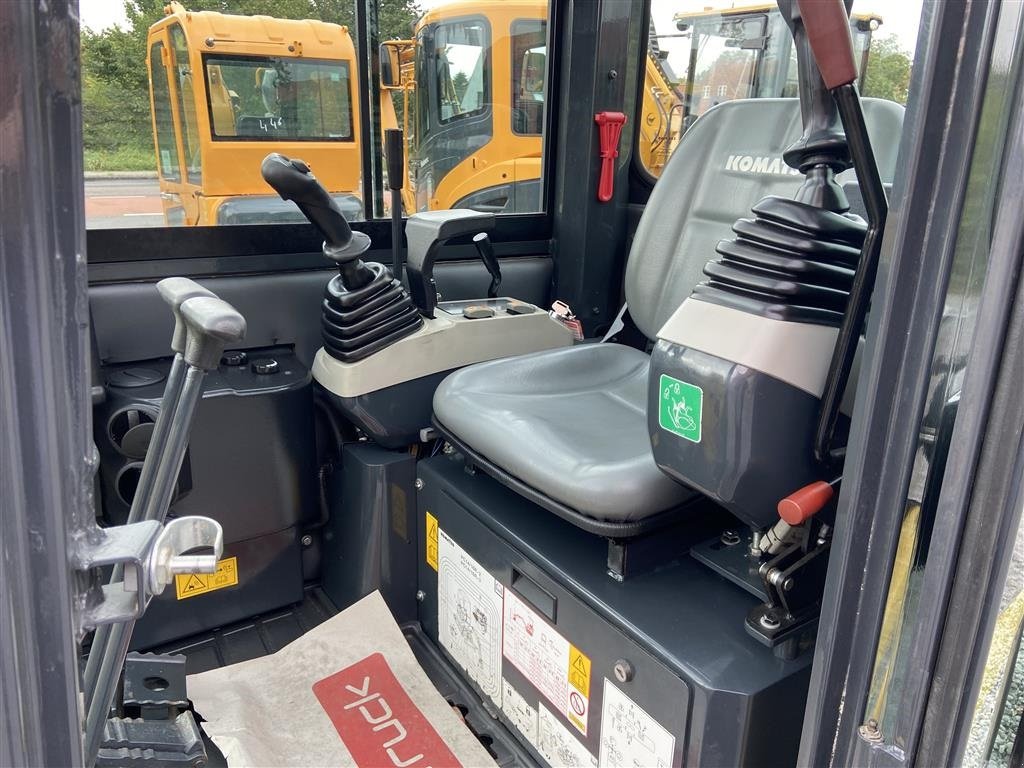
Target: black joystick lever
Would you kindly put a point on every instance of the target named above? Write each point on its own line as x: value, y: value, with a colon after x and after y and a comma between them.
x: 293, y: 180
x: 364, y: 309
x: 486, y: 251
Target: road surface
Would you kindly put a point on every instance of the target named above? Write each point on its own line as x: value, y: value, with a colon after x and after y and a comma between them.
x: 122, y: 203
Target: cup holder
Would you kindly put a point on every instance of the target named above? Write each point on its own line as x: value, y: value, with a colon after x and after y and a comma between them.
x: 130, y: 430
x: 127, y: 482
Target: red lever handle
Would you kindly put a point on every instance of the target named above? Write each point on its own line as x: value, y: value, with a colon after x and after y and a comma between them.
x: 828, y: 31
x: 806, y: 502
x: 610, y: 125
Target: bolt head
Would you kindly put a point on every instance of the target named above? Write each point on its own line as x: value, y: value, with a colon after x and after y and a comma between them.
x: 419, y: 484
x: 769, y: 622
x: 729, y: 538
x: 448, y: 449
x: 623, y: 671
x: 306, y: 540
x: 420, y: 595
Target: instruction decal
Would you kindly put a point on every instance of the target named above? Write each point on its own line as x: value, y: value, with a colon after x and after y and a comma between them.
x: 469, y: 615
x: 557, y: 745
x: 194, y: 584
x: 377, y: 721
x: 630, y: 736
x: 680, y: 408
x: 556, y: 668
x: 431, y: 541
x: 519, y: 712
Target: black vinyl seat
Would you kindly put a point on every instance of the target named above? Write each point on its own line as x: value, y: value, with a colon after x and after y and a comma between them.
x: 568, y: 427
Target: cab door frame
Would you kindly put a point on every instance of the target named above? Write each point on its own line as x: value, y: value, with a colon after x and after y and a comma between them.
x: 966, y: 556
x: 173, y: 189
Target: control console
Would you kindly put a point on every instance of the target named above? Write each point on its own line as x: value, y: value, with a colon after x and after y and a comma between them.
x: 385, y: 349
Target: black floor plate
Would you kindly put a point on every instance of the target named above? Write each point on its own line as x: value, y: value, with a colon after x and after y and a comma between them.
x: 266, y: 634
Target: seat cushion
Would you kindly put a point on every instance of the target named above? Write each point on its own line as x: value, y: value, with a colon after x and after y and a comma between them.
x: 569, y: 423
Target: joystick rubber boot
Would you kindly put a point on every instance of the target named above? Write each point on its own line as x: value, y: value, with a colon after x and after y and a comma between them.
x: 364, y: 308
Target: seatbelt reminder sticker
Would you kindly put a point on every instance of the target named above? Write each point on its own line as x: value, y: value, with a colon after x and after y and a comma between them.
x: 377, y: 721
x: 555, y: 667
x: 195, y: 584
x: 680, y: 408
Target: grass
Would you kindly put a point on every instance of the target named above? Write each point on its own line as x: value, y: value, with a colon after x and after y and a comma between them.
x: 120, y: 159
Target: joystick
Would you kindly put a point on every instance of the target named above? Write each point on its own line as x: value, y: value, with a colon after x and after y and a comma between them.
x: 364, y: 308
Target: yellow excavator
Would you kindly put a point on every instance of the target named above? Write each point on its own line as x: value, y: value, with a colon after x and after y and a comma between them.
x: 225, y: 89
x: 470, y: 85
x: 473, y: 89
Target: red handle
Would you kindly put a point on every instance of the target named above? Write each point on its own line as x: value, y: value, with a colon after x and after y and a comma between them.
x: 828, y: 30
x: 803, y: 504
x: 610, y: 125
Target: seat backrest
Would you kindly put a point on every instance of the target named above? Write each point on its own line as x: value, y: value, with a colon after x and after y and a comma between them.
x: 728, y: 160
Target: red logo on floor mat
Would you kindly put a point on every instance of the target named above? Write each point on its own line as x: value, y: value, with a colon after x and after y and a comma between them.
x: 377, y: 720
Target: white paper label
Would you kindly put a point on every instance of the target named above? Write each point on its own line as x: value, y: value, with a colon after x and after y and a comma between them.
x: 469, y: 615
x: 630, y: 736
x: 519, y: 712
x: 543, y: 656
x: 557, y: 745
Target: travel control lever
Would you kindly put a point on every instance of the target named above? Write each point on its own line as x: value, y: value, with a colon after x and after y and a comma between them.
x: 293, y: 180
x: 486, y: 251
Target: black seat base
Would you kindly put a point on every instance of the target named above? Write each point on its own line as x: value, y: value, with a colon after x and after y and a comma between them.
x: 616, y: 531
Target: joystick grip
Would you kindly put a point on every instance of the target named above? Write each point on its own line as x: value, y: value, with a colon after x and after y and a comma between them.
x: 293, y: 180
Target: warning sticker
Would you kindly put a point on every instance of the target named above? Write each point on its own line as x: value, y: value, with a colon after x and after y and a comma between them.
x: 193, y: 584
x: 469, y: 615
x: 579, y: 670
x: 518, y: 711
x: 557, y: 745
x: 431, y: 541
x: 630, y: 736
x: 556, y: 668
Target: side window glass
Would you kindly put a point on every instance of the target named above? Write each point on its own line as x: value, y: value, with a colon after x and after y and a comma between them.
x: 529, y: 65
x: 186, y: 105
x: 166, y: 149
x: 698, y: 59
x: 461, y: 52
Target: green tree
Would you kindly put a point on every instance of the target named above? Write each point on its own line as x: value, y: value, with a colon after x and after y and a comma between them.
x: 887, y: 75
x: 460, y: 83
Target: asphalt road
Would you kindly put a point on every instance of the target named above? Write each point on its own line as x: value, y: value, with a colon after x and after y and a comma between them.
x: 122, y: 203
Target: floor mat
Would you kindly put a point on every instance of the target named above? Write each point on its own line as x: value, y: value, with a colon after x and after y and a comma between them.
x: 348, y: 692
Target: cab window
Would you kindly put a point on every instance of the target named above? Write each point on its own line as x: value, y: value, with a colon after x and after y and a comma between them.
x: 186, y: 105
x: 166, y: 148
x: 529, y: 63
x: 461, y: 48
x: 266, y: 98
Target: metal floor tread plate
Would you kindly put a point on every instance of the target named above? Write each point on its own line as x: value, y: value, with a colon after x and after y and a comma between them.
x: 262, y: 635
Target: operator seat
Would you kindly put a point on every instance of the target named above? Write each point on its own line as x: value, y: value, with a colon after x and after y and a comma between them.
x: 568, y: 428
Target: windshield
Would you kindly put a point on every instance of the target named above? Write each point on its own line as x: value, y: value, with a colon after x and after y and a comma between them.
x: 269, y: 98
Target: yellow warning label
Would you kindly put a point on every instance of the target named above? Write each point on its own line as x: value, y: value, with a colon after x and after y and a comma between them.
x: 192, y: 584
x: 431, y: 541
x: 579, y: 670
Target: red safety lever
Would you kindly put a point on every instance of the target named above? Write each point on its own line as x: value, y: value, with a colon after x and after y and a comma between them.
x: 610, y: 125
x: 806, y: 502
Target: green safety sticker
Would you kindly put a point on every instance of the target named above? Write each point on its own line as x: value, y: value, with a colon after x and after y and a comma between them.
x: 680, y: 408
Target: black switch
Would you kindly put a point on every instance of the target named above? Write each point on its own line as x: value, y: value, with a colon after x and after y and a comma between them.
x: 265, y: 366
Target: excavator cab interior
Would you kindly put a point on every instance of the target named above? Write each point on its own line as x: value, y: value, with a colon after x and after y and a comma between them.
x: 678, y: 528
